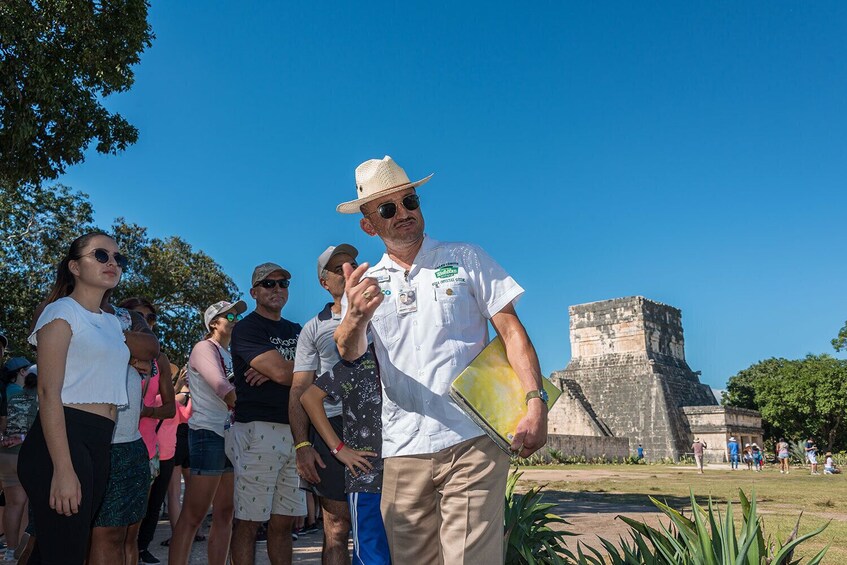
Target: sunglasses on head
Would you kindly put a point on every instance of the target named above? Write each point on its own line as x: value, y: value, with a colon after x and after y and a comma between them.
x: 387, y: 210
x: 102, y: 256
x: 270, y: 283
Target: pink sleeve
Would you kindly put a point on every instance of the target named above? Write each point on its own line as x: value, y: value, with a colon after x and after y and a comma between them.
x: 184, y: 411
x: 206, y: 361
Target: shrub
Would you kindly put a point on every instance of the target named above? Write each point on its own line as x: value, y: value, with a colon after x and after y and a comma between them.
x: 705, y: 539
x: 798, y: 452
x: 529, y: 539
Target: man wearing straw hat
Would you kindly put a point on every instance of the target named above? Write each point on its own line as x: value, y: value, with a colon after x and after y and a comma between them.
x: 426, y: 304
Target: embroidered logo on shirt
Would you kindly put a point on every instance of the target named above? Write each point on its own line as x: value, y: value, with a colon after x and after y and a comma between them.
x: 447, y: 270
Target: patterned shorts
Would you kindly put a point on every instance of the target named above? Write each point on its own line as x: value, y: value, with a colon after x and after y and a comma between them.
x: 125, y: 501
x: 266, y: 480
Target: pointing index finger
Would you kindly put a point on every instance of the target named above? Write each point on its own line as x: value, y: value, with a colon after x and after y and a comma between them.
x: 353, y: 276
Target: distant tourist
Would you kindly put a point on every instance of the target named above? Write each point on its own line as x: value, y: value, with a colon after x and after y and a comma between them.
x: 829, y: 467
x: 748, y: 456
x: 757, y: 457
x: 732, y: 449
x: 812, y: 455
x: 782, y: 453
x: 640, y: 451
x: 697, y: 447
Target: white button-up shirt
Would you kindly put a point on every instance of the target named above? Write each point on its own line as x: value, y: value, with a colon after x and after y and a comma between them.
x: 458, y: 288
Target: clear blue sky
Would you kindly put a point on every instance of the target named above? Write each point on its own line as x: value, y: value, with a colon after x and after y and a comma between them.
x: 692, y: 154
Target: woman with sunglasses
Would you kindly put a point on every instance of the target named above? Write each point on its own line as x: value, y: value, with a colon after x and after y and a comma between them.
x: 212, y: 396
x: 82, y: 358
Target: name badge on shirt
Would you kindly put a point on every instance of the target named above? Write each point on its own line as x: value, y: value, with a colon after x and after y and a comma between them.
x: 407, y: 299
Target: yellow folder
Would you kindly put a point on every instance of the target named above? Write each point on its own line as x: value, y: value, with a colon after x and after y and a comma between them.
x: 489, y: 391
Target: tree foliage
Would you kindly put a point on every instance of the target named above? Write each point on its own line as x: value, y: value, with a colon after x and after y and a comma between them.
x: 797, y: 398
x: 58, y: 60
x: 840, y: 342
x: 36, y: 227
x: 180, y: 281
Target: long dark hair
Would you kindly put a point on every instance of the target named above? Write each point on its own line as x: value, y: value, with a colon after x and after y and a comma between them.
x: 64, y: 284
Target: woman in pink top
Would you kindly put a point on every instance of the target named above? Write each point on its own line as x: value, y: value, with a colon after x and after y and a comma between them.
x: 160, y: 438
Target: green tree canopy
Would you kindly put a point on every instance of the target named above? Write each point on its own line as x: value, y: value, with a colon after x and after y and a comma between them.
x: 178, y: 280
x: 840, y: 342
x: 797, y: 398
x: 36, y: 227
x: 58, y: 60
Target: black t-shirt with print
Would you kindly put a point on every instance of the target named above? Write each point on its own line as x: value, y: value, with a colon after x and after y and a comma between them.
x: 251, y: 337
x: 356, y: 384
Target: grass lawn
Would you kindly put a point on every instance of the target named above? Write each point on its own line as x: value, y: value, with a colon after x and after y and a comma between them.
x: 595, y: 494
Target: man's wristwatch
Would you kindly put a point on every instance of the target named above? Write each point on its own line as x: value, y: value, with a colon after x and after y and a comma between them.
x: 542, y: 394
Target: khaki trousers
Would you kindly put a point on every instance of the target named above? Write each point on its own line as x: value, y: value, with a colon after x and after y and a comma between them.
x: 446, y: 507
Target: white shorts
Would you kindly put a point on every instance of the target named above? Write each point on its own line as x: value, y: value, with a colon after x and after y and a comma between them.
x: 265, y: 466
x: 813, y: 458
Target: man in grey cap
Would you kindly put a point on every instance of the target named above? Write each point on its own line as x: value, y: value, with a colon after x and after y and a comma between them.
x: 317, y: 354
x: 259, y: 443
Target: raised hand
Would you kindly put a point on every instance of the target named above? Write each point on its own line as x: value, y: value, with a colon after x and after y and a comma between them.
x: 363, y: 294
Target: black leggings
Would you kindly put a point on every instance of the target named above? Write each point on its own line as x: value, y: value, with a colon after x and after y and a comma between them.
x: 158, y: 492
x: 64, y: 539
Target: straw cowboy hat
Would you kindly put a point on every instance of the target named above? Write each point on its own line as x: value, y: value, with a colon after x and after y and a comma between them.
x: 376, y: 178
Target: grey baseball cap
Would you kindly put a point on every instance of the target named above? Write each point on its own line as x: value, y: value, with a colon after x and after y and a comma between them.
x: 221, y: 307
x: 261, y: 272
x: 332, y: 251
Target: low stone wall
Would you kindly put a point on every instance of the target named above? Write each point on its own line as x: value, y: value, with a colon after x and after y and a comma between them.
x: 590, y: 447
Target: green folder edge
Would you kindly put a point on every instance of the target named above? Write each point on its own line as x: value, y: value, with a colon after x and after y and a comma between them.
x: 495, y: 353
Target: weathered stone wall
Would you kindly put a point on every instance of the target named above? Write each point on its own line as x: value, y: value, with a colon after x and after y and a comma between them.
x: 629, y: 363
x: 716, y: 424
x: 590, y: 447
x: 572, y: 414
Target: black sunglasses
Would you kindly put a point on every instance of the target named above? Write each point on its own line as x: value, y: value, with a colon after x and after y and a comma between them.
x: 270, y: 283
x: 232, y: 317
x: 102, y: 256
x: 387, y: 210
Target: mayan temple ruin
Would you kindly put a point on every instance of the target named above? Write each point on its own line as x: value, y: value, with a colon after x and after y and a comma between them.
x: 628, y: 378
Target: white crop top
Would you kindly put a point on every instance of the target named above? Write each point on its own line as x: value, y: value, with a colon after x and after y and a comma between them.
x: 96, y: 366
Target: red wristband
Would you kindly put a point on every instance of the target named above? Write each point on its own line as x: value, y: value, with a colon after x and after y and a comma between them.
x: 337, y: 449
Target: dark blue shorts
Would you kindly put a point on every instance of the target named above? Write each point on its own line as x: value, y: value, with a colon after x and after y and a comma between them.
x: 206, y: 453
x: 370, y: 544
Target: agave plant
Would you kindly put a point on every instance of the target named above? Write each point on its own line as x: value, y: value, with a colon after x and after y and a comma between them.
x: 706, y: 538
x: 529, y: 539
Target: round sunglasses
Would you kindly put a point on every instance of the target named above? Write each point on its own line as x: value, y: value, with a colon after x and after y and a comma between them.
x: 102, y: 256
x: 388, y: 210
x: 231, y: 317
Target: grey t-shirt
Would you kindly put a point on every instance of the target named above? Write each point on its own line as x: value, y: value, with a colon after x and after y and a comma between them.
x: 356, y: 386
x: 316, y: 350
